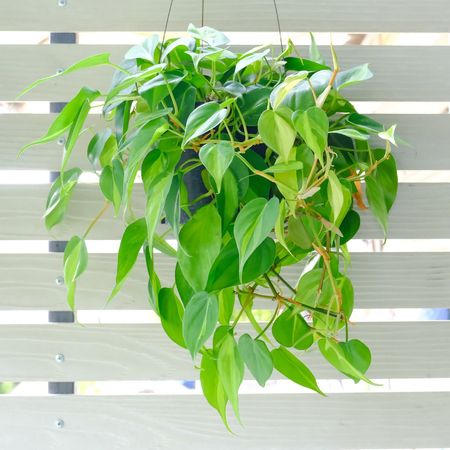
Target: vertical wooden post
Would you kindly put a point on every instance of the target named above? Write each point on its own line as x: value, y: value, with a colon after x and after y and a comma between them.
x: 60, y: 387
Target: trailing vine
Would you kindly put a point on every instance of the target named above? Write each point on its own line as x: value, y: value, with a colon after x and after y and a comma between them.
x: 250, y: 162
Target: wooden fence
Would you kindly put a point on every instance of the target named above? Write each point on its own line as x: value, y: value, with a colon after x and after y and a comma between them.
x: 413, y: 350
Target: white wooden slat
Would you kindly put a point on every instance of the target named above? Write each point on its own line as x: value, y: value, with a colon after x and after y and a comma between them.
x: 271, y: 422
x: 251, y: 15
x: 398, y: 77
x: 144, y: 352
x: 419, y: 213
x: 427, y: 135
x: 381, y: 280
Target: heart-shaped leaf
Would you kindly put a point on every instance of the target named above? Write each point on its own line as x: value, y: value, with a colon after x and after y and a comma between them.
x: 253, y: 224
x: 312, y: 125
x: 341, y: 359
x: 216, y: 157
x: 231, y: 369
x: 277, y: 133
x: 199, y: 321
x: 203, y: 119
x: 291, y: 330
x: 257, y: 358
x: 200, y: 241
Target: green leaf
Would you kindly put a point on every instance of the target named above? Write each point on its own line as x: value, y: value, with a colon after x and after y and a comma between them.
x: 257, y: 358
x: 65, y: 118
x: 253, y: 224
x: 291, y: 367
x: 388, y: 135
x: 302, y: 230
x: 277, y: 133
x: 225, y: 270
x: 97, y: 145
x: 299, y: 64
x: 352, y: 76
x: 280, y: 224
x: 209, y: 35
x: 253, y: 103
x: 170, y: 310
x: 231, y: 370
x: 200, y: 320
x: 291, y: 330
x: 59, y: 196
x: 157, y: 170
x: 377, y: 202
x: 228, y: 198
x: 314, y: 52
x: 351, y: 133
x: 203, y: 119
x: 74, y: 132
x: 200, y: 241
x: 386, y: 177
x: 172, y: 206
x: 216, y: 157
x: 364, y: 122
x: 132, y: 240
x: 111, y: 184
x: 339, y: 197
x: 337, y: 357
x: 282, y: 90
x: 284, y: 167
x: 146, y: 50
x: 246, y: 60
x: 186, y: 42
x: 226, y: 305
x: 312, y: 125
x: 212, y: 387
x: 139, y: 145
x: 75, y: 263
x: 358, y: 354
x: 91, y: 61
x: 154, y: 283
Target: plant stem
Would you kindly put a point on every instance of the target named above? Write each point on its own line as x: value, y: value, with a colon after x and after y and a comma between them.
x: 269, y: 324
x: 272, y: 287
x: 294, y: 291
x: 96, y: 219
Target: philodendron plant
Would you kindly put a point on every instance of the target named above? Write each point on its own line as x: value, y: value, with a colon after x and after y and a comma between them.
x: 250, y: 162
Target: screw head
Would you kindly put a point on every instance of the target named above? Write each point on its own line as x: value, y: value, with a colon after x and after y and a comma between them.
x: 59, y: 280
x: 62, y: 2
x: 60, y: 358
x: 59, y: 423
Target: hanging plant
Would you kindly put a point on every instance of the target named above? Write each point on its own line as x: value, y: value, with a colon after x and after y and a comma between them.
x: 253, y: 162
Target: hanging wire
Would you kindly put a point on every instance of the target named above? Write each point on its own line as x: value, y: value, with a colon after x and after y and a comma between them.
x: 279, y: 25
x: 167, y: 22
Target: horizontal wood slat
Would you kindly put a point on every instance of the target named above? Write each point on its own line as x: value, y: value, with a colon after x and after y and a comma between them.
x: 397, y: 420
x: 251, y: 15
x: 144, y: 352
x: 398, y: 77
x: 363, y: 421
x: 427, y: 135
x: 417, y: 214
x: 381, y: 280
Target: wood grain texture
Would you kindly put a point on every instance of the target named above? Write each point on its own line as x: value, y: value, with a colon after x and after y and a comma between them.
x: 381, y: 280
x: 398, y: 77
x: 144, y: 352
x: 427, y: 135
x: 350, y: 421
x: 251, y: 15
x: 420, y: 212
